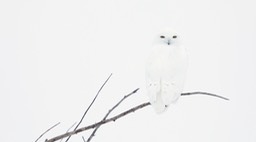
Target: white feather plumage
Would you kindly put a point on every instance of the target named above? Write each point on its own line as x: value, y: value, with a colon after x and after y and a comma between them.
x: 165, y: 71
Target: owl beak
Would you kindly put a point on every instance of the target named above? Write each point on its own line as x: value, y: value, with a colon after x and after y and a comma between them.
x: 169, y: 42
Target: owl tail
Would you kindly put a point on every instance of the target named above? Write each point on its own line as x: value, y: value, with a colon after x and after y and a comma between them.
x: 159, y: 105
x: 159, y: 108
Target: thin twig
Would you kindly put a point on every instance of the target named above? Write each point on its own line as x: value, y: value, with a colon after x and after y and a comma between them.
x: 203, y: 93
x: 83, y: 138
x: 122, y: 115
x: 47, y: 131
x: 90, y: 105
x: 105, y: 117
x: 69, y: 129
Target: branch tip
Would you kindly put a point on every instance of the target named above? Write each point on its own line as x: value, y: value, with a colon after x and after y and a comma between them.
x: 204, y: 93
x: 47, y: 131
x: 135, y: 90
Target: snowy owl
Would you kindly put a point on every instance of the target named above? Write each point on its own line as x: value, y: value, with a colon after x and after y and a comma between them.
x: 165, y: 71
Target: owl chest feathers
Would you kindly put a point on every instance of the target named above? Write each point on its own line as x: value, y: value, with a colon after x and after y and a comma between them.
x: 167, y: 61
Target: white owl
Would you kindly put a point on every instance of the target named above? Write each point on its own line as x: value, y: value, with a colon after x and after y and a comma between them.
x: 165, y: 71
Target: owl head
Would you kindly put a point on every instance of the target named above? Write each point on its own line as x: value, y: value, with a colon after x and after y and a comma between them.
x: 168, y: 37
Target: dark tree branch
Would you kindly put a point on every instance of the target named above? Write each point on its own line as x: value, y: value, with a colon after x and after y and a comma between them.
x: 104, y: 121
x: 47, y: 131
x: 90, y: 105
x: 105, y: 117
x: 98, y: 123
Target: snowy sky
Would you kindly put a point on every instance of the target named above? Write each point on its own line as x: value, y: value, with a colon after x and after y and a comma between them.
x: 55, y: 54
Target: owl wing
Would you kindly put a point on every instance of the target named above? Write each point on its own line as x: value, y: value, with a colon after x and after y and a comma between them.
x: 154, y: 94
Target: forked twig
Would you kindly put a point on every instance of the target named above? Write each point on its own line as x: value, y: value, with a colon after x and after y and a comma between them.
x: 105, y: 117
x: 99, y: 123
x: 47, y: 131
x: 90, y: 105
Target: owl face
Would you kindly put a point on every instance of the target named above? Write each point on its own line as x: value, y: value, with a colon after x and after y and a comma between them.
x: 168, y: 37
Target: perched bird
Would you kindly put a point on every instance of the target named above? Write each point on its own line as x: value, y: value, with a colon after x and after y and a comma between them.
x: 165, y: 71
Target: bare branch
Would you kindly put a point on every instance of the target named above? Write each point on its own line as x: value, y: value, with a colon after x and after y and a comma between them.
x: 203, y: 93
x: 47, y: 131
x: 105, y: 117
x: 90, y: 105
x: 68, y: 134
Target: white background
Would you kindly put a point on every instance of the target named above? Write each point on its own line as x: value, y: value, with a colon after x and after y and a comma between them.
x: 55, y: 54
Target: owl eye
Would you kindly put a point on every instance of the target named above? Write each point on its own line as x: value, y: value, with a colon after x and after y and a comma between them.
x: 174, y: 36
x: 162, y: 36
